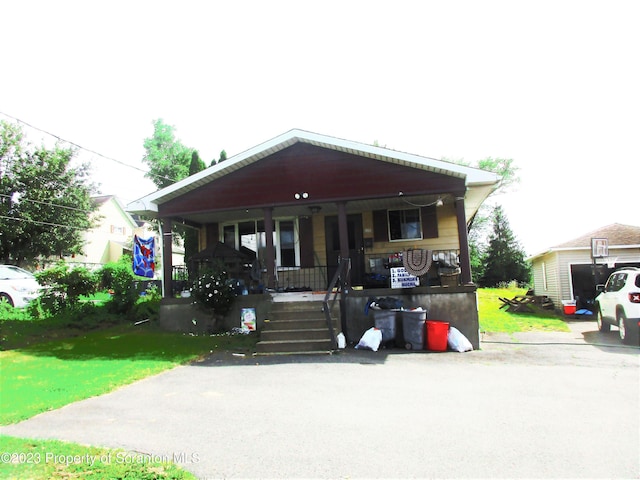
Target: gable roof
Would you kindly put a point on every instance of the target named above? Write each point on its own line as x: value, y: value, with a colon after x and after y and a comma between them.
x: 472, y: 176
x: 104, y: 199
x: 618, y: 235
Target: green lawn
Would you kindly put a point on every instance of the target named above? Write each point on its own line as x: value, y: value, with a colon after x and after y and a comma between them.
x: 47, y: 373
x: 496, y: 319
x: 51, y: 459
x: 51, y: 374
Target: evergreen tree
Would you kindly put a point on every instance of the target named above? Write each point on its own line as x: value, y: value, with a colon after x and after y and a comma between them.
x: 504, y: 259
x: 223, y: 157
x: 196, y: 165
x: 190, y: 235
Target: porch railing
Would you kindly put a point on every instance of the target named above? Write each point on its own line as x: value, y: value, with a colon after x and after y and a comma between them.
x: 339, y: 284
x: 445, y: 268
x: 298, y: 278
x: 375, y: 273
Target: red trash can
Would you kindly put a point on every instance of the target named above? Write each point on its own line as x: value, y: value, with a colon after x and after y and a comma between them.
x: 437, y: 334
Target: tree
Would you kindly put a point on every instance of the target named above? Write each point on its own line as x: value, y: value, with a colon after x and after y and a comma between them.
x: 168, y: 159
x: 478, y: 225
x: 45, y: 203
x: 504, y: 260
x: 196, y: 165
x: 190, y: 235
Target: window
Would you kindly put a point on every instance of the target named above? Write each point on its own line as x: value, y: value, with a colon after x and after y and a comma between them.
x: 616, y: 282
x: 287, y: 243
x: 118, y: 230
x: 250, y: 237
x: 404, y: 225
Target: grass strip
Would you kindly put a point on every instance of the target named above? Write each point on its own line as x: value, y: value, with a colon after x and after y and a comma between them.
x: 22, y: 458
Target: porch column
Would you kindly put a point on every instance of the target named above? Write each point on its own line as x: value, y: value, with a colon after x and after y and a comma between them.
x: 343, y: 230
x: 167, y: 257
x: 270, y: 260
x: 465, y: 261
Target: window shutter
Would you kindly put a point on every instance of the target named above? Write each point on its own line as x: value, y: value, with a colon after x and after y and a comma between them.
x: 212, y: 232
x: 305, y: 234
x: 429, y: 222
x: 380, y: 226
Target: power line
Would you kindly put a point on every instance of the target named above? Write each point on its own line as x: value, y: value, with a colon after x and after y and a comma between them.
x: 47, y: 203
x: 42, y: 223
x: 88, y: 149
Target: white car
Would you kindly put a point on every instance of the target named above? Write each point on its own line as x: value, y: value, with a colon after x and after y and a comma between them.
x: 618, y: 304
x: 17, y: 286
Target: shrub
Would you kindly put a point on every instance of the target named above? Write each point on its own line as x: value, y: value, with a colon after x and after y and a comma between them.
x: 118, y: 278
x: 64, y: 287
x: 7, y: 312
x: 213, y: 291
x: 148, y: 305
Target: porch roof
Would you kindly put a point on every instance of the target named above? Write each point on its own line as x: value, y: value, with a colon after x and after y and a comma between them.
x: 479, y: 183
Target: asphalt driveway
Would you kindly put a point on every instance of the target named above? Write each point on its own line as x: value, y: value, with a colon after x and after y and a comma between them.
x: 536, y: 405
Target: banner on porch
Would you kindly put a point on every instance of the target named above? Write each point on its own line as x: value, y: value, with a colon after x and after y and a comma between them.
x: 144, y: 263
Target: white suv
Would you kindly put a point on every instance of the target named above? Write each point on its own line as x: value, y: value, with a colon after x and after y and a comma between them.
x: 618, y: 303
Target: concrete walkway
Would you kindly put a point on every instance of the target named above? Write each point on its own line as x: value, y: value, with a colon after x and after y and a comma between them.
x: 537, y: 405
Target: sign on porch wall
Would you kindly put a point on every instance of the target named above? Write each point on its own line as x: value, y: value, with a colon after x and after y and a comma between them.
x: 400, y: 278
x: 248, y: 319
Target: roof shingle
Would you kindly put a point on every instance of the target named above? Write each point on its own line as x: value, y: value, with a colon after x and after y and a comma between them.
x: 616, y: 233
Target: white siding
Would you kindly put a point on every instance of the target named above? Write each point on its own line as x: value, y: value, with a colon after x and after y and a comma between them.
x: 552, y: 291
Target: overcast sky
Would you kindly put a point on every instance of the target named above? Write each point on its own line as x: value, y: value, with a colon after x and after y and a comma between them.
x: 553, y: 85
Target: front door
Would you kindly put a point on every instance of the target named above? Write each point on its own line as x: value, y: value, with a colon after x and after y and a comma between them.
x: 356, y: 247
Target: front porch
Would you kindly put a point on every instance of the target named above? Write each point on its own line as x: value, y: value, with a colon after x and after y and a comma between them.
x: 456, y: 305
x: 287, y: 215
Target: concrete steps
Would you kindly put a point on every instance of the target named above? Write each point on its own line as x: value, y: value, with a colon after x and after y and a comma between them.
x: 296, y: 327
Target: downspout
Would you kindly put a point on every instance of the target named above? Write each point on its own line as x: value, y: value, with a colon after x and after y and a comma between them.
x: 463, y: 239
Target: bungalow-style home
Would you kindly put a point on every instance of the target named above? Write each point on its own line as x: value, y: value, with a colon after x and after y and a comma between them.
x: 112, y: 236
x: 303, y: 206
x: 569, y: 272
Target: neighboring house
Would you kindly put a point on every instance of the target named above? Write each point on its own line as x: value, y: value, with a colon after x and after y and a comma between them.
x: 567, y: 272
x: 298, y: 203
x: 112, y: 236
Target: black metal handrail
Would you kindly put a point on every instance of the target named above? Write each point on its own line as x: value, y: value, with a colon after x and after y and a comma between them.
x: 342, y: 274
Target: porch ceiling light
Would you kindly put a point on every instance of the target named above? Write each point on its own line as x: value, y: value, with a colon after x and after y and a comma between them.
x: 298, y: 196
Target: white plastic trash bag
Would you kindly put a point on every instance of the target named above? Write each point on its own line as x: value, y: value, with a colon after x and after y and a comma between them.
x: 457, y: 341
x: 371, y: 339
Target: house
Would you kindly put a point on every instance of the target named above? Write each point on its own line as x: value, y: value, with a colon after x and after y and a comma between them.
x: 112, y: 236
x: 570, y: 271
x: 300, y: 203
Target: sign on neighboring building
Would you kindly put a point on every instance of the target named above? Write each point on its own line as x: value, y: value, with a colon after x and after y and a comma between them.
x: 400, y: 278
